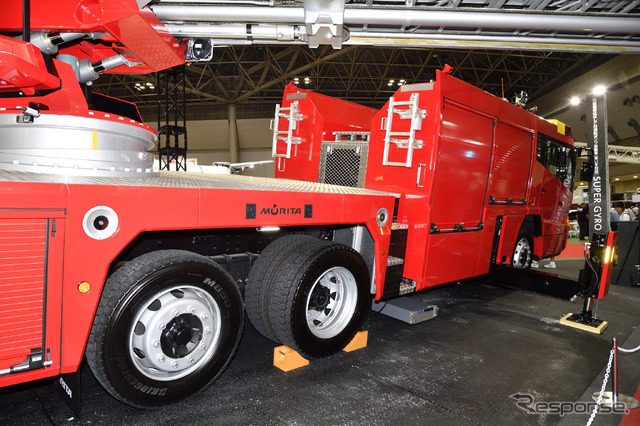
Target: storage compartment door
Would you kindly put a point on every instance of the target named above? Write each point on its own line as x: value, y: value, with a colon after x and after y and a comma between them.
x: 457, y: 199
x: 29, y: 301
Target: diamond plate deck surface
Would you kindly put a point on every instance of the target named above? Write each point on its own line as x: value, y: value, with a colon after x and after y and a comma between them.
x: 192, y: 180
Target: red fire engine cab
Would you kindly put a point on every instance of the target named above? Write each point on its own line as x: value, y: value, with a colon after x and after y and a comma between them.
x: 439, y: 184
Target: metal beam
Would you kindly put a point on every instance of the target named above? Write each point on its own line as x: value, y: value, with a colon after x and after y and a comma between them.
x: 299, y: 70
x: 423, y: 17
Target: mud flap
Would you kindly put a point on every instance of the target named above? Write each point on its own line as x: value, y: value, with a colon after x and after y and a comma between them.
x: 69, y: 386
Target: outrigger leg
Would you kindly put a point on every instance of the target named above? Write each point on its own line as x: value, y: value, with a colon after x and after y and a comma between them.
x: 595, y: 278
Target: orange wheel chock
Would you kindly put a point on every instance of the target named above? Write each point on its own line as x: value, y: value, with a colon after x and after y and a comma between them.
x: 286, y: 359
x: 358, y: 342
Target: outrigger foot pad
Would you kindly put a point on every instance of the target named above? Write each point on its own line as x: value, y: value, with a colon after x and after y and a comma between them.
x: 586, y: 323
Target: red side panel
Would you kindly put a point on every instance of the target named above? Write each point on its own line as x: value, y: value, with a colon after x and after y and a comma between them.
x: 414, y: 183
x: 462, y: 168
x: 417, y: 178
x: 320, y: 116
x: 511, y: 163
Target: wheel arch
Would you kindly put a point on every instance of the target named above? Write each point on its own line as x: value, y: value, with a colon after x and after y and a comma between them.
x: 360, y: 239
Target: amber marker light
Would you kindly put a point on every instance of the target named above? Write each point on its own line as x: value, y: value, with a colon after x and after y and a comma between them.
x: 608, y: 255
x: 84, y: 287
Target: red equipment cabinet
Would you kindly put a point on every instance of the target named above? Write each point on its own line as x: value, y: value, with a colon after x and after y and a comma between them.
x: 303, y: 122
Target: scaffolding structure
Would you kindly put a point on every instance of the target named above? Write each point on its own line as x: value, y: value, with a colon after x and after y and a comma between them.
x: 172, y: 125
x: 619, y: 154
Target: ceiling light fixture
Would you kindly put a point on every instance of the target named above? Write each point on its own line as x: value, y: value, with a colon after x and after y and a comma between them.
x: 599, y: 90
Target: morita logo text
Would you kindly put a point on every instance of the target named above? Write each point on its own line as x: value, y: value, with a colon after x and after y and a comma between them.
x: 253, y: 210
x: 276, y: 210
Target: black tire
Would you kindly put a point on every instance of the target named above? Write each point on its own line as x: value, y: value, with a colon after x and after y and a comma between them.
x: 320, y: 298
x: 523, y: 249
x: 260, y: 281
x: 167, y: 325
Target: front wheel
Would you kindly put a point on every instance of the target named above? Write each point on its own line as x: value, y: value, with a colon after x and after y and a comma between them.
x: 322, y: 298
x: 167, y: 325
x: 523, y: 249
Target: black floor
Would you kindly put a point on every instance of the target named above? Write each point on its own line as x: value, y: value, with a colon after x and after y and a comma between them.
x: 464, y: 367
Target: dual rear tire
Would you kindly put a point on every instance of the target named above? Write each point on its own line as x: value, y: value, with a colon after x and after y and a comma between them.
x: 308, y: 294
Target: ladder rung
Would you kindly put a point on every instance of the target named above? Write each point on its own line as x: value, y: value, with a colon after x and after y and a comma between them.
x: 399, y: 133
x: 294, y: 140
x: 417, y: 143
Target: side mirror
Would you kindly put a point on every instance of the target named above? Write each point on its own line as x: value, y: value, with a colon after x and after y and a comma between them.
x: 586, y: 171
x: 562, y: 173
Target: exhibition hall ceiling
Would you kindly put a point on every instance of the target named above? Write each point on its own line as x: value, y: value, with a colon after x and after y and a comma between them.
x: 501, y: 46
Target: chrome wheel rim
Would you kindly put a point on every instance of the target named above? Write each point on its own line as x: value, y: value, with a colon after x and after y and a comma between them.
x: 331, y: 302
x: 174, y: 333
x: 522, y: 254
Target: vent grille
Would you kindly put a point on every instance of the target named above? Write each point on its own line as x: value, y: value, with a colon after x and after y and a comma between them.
x: 344, y: 164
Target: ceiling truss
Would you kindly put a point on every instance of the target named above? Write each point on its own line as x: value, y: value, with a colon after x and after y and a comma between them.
x: 501, y: 46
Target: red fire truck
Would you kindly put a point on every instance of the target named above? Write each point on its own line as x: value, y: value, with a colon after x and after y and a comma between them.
x: 479, y: 181
x: 442, y: 182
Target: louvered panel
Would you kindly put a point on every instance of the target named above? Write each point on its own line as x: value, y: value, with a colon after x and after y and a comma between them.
x: 23, y: 251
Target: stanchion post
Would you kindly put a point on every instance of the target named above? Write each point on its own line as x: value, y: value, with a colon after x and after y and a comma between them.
x: 614, y: 379
x: 614, y: 399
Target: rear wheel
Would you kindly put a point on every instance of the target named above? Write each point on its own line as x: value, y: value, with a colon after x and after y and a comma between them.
x: 167, y: 325
x: 523, y: 249
x: 322, y: 298
x: 261, y: 280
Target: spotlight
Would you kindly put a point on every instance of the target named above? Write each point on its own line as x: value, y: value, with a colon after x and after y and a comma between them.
x: 599, y: 90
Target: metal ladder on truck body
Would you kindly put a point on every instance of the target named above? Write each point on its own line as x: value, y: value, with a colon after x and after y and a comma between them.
x: 290, y: 113
x: 416, y: 115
